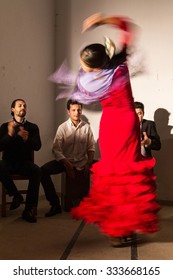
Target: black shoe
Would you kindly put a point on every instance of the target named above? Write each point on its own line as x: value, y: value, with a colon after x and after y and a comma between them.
x: 128, y: 240
x: 55, y: 209
x: 28, y: 216
x: 17, y: 200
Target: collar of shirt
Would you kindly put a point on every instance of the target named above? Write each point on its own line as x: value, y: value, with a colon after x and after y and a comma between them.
x: 73, y: 125
x: 20, y: 123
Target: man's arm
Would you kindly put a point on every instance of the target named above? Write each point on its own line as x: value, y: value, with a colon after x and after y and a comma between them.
x: 6, y: 135
x: 57, y: 148
x: 58, y: 151
x: 153, y: 138
x: 33, y: 138
x: 90, y: 158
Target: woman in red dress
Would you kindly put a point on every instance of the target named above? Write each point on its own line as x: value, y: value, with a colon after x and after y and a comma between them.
x: 122, y: 198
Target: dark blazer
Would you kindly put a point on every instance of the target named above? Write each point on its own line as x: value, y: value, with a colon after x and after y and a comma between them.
x: 150, y: 128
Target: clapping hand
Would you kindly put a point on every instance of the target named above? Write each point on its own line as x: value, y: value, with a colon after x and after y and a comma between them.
x: 23, y: 133
x: 146, y: 141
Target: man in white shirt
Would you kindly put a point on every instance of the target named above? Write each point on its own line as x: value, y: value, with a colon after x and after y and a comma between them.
x: 73, y: 148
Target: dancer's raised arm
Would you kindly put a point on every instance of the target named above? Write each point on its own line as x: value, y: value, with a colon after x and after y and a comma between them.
x: 123, y: 23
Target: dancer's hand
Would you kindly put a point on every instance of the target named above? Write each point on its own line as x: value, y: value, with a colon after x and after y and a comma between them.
x: 91, y: 21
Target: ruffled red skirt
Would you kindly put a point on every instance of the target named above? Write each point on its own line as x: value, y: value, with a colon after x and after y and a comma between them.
x: 122, y: 198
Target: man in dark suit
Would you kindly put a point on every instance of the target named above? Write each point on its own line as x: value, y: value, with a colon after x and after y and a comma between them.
x: 150, y: 139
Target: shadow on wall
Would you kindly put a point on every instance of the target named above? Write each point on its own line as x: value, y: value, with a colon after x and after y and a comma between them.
x: 164, y: 157
x: 95, y: 107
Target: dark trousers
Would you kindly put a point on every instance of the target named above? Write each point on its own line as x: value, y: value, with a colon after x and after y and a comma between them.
x: 26, y: 168
x: 51, y: 168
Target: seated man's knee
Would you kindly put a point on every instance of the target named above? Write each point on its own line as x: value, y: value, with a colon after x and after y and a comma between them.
x: 45, y: 170
x: 36, y: 170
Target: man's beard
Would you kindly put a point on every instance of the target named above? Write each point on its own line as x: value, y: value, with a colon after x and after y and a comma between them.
x: 22, y: 114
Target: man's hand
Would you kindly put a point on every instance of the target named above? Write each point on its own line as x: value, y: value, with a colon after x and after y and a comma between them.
x: 87, y: 169
x: 146, y: 141
x: 11, y: 126
x: 23, y: 133
x: 69, y: 168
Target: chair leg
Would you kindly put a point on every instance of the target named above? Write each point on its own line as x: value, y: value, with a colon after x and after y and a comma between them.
x: 3, y: 202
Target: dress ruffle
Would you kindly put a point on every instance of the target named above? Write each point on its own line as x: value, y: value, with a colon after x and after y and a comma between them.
x: 122, y: 199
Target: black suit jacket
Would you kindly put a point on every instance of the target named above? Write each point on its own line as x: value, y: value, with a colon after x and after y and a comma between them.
x: 150, y: 128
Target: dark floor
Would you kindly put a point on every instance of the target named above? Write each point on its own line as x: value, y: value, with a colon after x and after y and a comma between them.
x: 61, y: 237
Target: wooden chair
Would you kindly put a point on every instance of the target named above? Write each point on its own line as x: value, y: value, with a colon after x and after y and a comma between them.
x: 4, y: 201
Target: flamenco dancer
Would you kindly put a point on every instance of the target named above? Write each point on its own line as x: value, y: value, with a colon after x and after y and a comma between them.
x: 122, y: 198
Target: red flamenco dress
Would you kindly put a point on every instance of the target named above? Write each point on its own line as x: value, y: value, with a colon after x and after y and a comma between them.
x: 122, y: 198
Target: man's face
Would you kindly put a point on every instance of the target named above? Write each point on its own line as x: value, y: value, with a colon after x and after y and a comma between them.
x: 20, y: 109
x: 75, y: 112
x: 140, y: 114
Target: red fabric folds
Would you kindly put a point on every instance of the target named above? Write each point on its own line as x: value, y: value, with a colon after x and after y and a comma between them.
x: 123, y: 201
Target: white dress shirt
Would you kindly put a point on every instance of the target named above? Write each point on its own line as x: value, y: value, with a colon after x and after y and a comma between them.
x: 73, y: 142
